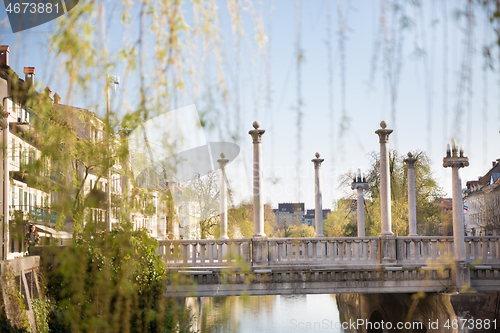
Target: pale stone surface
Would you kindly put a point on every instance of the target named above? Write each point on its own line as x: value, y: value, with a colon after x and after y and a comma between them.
x: 456, y: 162
x: 412, y: 202
x: 385, y: 181
x: 258, y: 196
x: 223, y: 196
x: 318, y: 213
x: 360, y: 184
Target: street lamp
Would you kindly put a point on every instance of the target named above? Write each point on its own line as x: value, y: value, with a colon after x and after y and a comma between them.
x: 115, y: 80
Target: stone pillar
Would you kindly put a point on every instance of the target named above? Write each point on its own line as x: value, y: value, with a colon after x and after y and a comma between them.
x: 385, y: 180
x: 412, y: 202
x: 259, y: 241
x: 258, y: 203
x: 456, y: 161
x: 387, y: 244
x: 318, y: 213
x: 223, y: 197
x: 359, y: 183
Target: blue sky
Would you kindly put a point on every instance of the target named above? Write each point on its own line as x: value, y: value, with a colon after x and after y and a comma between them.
x: 365, y: 107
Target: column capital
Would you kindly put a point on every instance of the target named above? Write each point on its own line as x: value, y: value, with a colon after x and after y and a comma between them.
x: 410, y: 160
x: 256, y: 133
x: 454, y: 158
x: 317, y: 161
x: 383, y: 133
x: 361, y: 185
x: 222, y: 161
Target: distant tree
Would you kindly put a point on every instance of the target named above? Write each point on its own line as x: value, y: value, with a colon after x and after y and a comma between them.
x: 240, y: 220
x: 427, y: 191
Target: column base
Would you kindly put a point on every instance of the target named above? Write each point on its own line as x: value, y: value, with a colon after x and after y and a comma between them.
x: 460, y: 276
x: 259, y: 251
x: 387, y: 249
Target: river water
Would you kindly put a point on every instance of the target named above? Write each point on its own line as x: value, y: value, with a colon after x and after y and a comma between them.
x: 262, y: 314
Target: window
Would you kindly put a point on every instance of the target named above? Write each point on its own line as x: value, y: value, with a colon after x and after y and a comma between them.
x: 21, y: 202
x: 13, y: 193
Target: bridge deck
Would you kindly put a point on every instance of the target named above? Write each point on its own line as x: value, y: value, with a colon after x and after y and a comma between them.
x: 325, y: 265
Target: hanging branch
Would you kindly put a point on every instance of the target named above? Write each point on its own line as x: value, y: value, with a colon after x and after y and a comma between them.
x: 329, y: 48
x: 445, y: 71
x: 298, y: 58
x: 465, y: 80
x: 342, y: 29
x: 269, y: 98
x: 486, y: 65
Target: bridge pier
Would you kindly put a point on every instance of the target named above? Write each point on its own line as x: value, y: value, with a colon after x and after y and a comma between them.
x: 420, y: 312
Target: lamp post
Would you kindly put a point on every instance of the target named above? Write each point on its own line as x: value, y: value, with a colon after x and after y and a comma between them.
x: 115, y: 80
x: 457, y: 160
x: 359, y: 184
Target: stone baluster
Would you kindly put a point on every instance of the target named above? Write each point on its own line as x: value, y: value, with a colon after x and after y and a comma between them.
x: 318, y: 213
x: 457, y: 160
x: 412, y: 203
x: 259, y: 242
x: 359, y: 183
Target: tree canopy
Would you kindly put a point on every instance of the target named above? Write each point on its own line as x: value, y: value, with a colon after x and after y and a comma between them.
x: 342, y: 220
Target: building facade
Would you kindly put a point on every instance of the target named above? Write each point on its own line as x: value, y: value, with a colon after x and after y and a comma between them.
x: 482, y: 203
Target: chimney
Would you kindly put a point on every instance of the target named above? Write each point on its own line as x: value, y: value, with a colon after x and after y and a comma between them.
x: 57, y: 99
x: 4, y: 54
x: 29, y: 75
x: 48, y: 93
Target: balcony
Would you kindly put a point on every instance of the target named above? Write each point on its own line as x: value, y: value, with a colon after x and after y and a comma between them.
x: 35, y: 214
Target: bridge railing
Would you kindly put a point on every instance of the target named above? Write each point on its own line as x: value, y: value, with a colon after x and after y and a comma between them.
x: 323, y: 251
x: 326, y: 251
x: 204, y: 252
x: 482, y: 249
x: 420, y: 249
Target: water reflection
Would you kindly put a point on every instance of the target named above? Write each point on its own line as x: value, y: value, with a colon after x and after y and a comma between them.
x: 287, y: 313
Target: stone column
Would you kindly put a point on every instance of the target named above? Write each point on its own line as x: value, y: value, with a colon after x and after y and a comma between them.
x: 223, y: 198
x: 412, y: 202
x: 385, y: 180
x: 258, y: 203
x: 318, y: 213
x: 456, y: 161
x: 359, y: 183
x: 259, y: 241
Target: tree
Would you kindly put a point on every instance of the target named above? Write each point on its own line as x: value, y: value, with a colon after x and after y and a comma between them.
x: 427, y: 191
x: 241, y: 224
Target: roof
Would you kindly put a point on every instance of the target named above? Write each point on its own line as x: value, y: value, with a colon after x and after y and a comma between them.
x: 291, y: 207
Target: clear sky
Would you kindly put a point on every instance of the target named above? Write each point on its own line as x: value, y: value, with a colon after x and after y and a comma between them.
x: 433, y: 60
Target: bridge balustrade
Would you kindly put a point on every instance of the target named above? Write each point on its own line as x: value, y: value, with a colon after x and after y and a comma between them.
x: 323, y: 250
x: 204, y: 252
x: 421, y: 249
x: 483, y: 249
x: 327, y: 251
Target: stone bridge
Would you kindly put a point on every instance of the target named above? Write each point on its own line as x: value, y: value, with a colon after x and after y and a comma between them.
x: 319, y: 265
